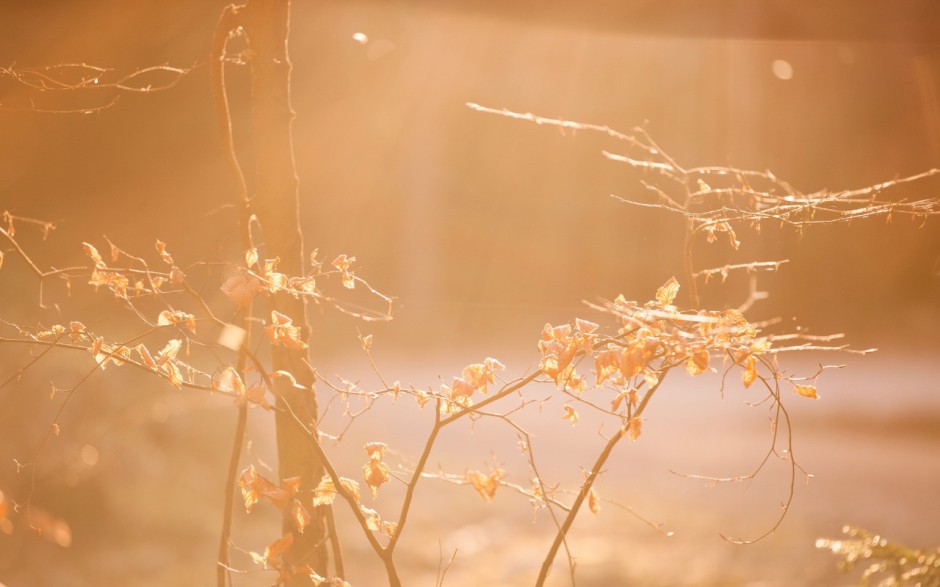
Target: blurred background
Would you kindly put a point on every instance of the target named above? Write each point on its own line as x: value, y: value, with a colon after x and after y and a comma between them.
x: 485, y: 228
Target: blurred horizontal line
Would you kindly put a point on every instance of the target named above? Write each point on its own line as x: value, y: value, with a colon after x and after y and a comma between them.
x: 903, y: 21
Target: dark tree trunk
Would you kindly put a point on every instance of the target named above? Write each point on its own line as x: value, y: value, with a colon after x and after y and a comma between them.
x: 276, y: 204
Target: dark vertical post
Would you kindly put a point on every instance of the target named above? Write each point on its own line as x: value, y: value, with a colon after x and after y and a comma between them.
x: 276, y: 204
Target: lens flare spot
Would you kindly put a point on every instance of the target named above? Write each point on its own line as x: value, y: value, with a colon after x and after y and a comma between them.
x: 782, y: 69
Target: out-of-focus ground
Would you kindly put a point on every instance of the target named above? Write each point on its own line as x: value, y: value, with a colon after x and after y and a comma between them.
x: 485, y: 229
x: 148, y: 511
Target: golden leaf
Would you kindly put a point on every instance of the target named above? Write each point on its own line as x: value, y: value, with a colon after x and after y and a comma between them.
x: 251, y: 257
x: 300, y: 516
x: 114, y: 281
x: 375, y: 474
x: 173, y: 375
x: 373, y: 520
x: 570, y: 415
x: 760, y: 346
x: 169, y: 317
x: 376, y: 450
x: 750, y: 371
x: 635, y: 428
x: 342, y: 263
x: 325, y: 492
x: 77, y: 329
x: 485, y: 485
x: 697, y: 363
x: 92, y: 252
x: 351, y: 486
x: 366, y: 342
x: 666, y: 294
x: 229, y: 380
x: 606, y: 363
x: 615, y: 403
x: 145, y: 356
x: 283, y: 332
x: 493, y: 364
x: 254, y: 487
x: 274, y: 551
x: 177, y: 275
x: 806, y: 391
x: 161, y: 249
x: 169, y: 351
x: 594, y: 504
x: 585, y: 326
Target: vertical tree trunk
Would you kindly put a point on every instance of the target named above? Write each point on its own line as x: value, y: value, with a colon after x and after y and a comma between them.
x: 276, y: 204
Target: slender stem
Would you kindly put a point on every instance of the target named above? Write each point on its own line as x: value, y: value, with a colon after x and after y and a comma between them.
x: 237, y: 445
x: 582, y: 495
x: 416, y: 476
x: 586, y: 487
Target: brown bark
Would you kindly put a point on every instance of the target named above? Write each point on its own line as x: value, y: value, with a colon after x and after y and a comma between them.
x: 276, y: 205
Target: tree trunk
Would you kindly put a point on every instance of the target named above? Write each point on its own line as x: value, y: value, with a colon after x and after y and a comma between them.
x: 276, y: 205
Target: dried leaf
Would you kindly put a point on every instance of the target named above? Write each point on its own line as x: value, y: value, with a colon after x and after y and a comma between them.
x: 351, y: 486
x: 145, y: 356
x: 254, y: 487
x: 375, y: 471
x: 342, y: 263
x: 114, y: 281
x: 376, y: 450
x: 274, y: 551
x: 283, y: 332
x: 173, y: 375
x: 169, y: 352
x: 666, y: 294
x: 806, y: 391
x: 606, y: 363
x: 169, y: 317
x: 161, y: 249
x: 300, y: 516
x: 585, y: 326
x: 251, y: 257
x: 635, y: 428
x: 325, y: 492
x: 366, y: 342
x: 697, y: 363
x: 92, y: 252
x: 77, y: 329
x: 594, y: 504
x: 485, y: 485
x: 493, y: 364
x: 615, y: 403
x: 570, y: 414
x: 177, y: 275
x: 373, y: 519
x: 750, y: 371
x: 228, y: 380
x: 375, y: 474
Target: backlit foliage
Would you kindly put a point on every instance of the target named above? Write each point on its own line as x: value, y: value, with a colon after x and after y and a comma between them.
x: 612, y: 365
x: 885, y: 563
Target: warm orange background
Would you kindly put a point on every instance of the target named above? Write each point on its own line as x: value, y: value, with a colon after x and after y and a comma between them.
x: 484, y: 228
